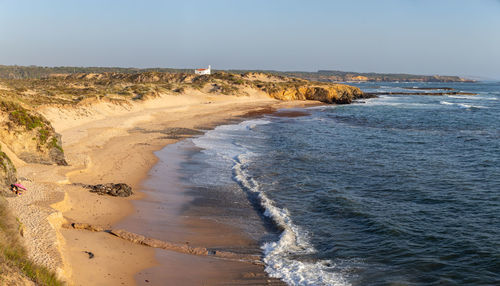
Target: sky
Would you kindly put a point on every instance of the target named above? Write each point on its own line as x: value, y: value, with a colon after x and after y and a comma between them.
x: 447, y: 37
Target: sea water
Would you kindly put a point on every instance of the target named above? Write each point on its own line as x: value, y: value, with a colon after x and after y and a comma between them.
x: 395, y: 190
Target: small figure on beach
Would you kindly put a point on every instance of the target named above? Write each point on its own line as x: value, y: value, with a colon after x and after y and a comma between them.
x: 18, y: 189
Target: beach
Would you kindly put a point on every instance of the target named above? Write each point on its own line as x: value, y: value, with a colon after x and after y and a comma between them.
x: 109, y: 143
x: 249, y: 190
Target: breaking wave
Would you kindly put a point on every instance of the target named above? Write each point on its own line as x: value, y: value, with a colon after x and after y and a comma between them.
x: 280, y: 256
x: 472, y: 97
x: 293, y: 240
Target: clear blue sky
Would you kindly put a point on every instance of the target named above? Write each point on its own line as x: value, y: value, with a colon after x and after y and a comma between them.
x: 415, y: 36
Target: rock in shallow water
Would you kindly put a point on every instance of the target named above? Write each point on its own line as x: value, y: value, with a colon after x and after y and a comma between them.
x: 116, y: 190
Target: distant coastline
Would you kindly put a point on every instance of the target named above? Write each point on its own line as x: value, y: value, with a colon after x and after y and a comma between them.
x: 342, y: 76
x: 25, y: 72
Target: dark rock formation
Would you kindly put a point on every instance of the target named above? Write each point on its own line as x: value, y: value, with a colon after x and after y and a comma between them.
x: 85, y: 226
x: 171, y: 132
x: 91, y: 255
x: 116, y: 190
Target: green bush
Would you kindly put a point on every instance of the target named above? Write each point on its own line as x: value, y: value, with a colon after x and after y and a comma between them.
x: 21, y: 117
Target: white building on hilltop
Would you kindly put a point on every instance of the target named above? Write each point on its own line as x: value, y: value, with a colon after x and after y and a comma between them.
x: 202, y: 71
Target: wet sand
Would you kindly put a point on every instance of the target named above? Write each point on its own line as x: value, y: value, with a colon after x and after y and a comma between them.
x: 165, y: 213
x: 106, y: 144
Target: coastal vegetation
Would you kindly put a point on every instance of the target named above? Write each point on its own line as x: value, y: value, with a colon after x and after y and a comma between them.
x: 72, y: 89
x: 15, y: 267
x: 28, y: 134
x: 30, y: 72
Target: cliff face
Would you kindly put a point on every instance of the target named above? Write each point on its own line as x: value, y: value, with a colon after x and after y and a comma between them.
x: 338, y: 93
x: 29, y: 135
x: 7, y: 170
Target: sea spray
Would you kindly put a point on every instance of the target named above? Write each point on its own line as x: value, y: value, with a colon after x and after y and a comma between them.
x: 293, y: 241
x: 462, y: 105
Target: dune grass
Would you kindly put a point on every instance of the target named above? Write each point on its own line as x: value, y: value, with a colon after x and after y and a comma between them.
x: 13, y: 255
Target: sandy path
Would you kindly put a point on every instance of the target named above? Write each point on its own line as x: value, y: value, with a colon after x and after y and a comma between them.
x: 102, y: 144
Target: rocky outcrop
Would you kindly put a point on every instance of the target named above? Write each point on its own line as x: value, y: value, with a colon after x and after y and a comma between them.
x: 115, y: 190
x: 7, y: 170
x: 29, y: 135
x: 334, y: 93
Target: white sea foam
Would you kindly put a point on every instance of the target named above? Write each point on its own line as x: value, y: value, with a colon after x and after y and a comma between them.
x: 293, y: 240
x: 392, y: 101
x: 218, y: 141
x: 446, y: 103
x: 462, y: 105
x: 472, y: 97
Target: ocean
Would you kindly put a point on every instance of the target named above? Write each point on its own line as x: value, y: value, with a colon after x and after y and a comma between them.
x: 395, y: 190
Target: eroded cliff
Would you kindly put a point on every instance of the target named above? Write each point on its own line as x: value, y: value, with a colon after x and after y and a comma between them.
x: 7, y: 170
x: 29, y: 135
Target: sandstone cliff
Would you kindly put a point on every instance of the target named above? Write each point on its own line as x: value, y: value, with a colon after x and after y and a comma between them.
x: 29, y: 135
x: 338, y: 93
x: 7, y: 170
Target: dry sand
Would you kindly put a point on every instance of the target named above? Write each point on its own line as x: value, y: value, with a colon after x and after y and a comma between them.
x: 104, y: 143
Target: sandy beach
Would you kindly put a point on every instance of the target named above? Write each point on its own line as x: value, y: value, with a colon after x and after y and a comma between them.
x: 109, y: 143
x: 243, y: 143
